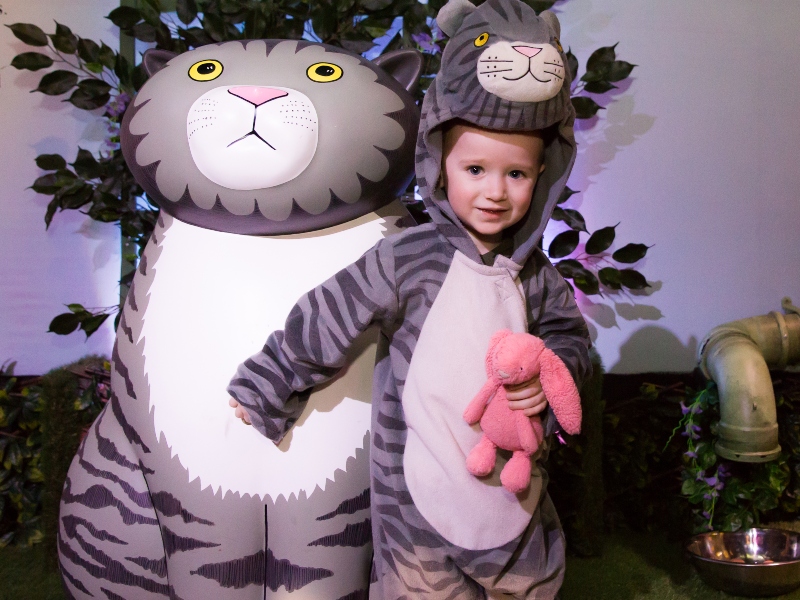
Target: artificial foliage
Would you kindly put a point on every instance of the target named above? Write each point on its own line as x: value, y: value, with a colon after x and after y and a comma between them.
x: 727, y: 495
x: 42, y: 422
x: 21, y: 478
x: 94, y: 77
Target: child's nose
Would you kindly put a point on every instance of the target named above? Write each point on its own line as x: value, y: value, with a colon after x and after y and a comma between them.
x: 495, y: 188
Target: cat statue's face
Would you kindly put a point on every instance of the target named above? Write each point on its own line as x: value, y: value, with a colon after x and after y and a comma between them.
x: 271, y: 136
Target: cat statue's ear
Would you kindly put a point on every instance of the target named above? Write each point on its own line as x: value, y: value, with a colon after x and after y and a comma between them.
x: 551, y: 19
x: 404, y: 65
x: 452, y: 14
x: 154, y: 60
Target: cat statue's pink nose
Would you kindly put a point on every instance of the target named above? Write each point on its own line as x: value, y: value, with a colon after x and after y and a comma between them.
x: 257, y: 95
x: 527, y: 50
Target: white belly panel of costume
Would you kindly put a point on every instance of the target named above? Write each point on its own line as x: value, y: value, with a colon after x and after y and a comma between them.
x: 214, y: 299
x: 446, y: 371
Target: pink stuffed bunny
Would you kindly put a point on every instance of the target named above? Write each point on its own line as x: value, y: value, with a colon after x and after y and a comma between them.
x: 515, y: 358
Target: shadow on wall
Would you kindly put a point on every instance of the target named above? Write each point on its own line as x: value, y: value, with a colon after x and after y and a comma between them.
x: 655, y: 345
x: 605, y: 311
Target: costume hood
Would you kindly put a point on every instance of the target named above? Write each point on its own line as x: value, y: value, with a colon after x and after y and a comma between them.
x: 503, y: 69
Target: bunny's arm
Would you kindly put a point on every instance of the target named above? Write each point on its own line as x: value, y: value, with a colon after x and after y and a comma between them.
x: 477, y: 406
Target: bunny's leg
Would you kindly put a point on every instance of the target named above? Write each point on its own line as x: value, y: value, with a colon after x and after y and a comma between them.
x: 481, y: 459
x: 516, y: 475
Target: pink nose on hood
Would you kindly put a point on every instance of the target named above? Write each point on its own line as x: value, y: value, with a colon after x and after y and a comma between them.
x: 257, y: 95
x: 527, y: 50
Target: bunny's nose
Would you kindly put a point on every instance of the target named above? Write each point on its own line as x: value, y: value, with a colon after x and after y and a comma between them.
x: 527, y: 50
x: 257, y: 95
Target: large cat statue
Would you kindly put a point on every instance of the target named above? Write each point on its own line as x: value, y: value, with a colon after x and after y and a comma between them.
x: 275, y: 163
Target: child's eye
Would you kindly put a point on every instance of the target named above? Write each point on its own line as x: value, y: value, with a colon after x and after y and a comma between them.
x: 475, y: 170
x: 516, y: 174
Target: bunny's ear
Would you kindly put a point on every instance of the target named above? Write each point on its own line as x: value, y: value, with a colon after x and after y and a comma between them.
x: 493, y: 343
x: 452, y: 14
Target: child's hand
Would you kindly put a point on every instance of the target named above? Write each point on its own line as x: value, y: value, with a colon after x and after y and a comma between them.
x: 239, y: 412
x: 527, y: 397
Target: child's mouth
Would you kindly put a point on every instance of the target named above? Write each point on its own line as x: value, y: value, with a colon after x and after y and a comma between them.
x: 492, y: 211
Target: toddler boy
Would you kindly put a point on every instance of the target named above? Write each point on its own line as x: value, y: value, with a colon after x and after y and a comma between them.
x: 491, y: 166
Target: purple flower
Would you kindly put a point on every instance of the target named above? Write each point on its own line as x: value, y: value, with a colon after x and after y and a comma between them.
x: 684, y: 408
x: 700, y: 476
x: 712, y: 481
x: 425, y: 42
x: 690, y: 454
x: 706, y: 514
x: 560, y: 439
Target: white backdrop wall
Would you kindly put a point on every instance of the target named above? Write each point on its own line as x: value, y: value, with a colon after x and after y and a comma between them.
x: 77, y: 260
x: 696, y: 155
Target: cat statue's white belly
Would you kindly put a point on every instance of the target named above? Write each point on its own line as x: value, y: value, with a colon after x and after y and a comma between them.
x: 214, y: 299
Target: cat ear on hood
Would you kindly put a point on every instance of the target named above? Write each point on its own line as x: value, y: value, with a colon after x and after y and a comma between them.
x: 452, y: 14
x: 154, y: 60
x: 551, y: 19
x: 404, y: 65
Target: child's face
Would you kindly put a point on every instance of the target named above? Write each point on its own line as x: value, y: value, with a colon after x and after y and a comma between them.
x: 489, y: 178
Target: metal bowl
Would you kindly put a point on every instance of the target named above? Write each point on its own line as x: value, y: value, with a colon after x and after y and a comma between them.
x: 754, y: 563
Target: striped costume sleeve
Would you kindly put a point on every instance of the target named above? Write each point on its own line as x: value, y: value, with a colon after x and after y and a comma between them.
x: 561, y: 325
x: 273, y: 385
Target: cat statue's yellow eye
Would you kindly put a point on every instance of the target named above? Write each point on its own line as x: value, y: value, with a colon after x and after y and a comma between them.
x: 558, y: 45
x: 324, y: 72
x: 205, y: 70
x: 481, y: 39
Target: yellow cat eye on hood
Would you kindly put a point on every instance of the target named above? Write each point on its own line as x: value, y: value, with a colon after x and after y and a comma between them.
x: 205, y: 70
x: 324, y: 72
x: 481, y: 39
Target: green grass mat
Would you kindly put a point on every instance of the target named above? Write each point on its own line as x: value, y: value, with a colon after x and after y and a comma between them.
x: 634, y: 566
x: 23, y: 576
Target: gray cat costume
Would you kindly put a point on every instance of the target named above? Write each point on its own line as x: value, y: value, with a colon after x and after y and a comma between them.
x: 438, y: 532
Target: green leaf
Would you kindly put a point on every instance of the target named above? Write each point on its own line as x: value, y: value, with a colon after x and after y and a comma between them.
x: 125, y: 17
x: 89, y: 51
x: 601, y: 239
x: 571, y: 217
x: 64, y: 324
x: 572, y: 65
x: 214, y: 26
x: 51, y: 162
x: 587, y: 283
x: 630, y: 253
x: 599, y: 87
x: 601, y: 60
x: 145, y: 32
x: 585, y: 108
x: 566, y: 194
x: 187, y: 10
x: 64, y: 40
x: 620, y: 70
x: 107, y: 57
x: 86, y: 99
x: 632, y: 279
x: 57, y: 82
x: 609, y: 277
x: 46, y: 184
x: 563, y: 244
x: 569, y: 268
x: 76, y: 308
x: 32, y: 61
x: 86, y: 165
x: 29, y: 34
x: 92, y: 324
